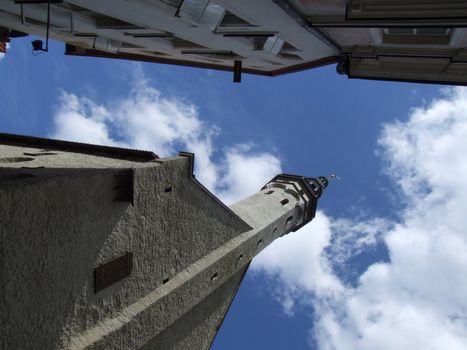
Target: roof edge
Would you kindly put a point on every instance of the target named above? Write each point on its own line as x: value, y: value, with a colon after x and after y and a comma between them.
x: 71, y: 50
x: 191, y: 160
x: 78, y: 147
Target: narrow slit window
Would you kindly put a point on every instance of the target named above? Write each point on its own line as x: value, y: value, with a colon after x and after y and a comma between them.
x: 289, y: 220
x: 284, y: 201
x: 269, y: 192
x: 214, y: 277
x: 15, y: 159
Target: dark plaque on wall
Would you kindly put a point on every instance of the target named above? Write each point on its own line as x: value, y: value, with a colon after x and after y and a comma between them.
x: 112, y: 272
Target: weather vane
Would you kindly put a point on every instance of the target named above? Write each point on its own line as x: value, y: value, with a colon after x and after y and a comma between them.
x: 334, y: 177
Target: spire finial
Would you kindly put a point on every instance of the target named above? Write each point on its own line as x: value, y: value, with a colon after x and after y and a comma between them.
x: 333, y: 177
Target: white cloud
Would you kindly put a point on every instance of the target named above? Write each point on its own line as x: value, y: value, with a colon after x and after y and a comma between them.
x: 146, y: 119
x: 80, y: 119
x: 246, y: 171
x: 417, y: 299
x: 351, y: 237
x: 297, y: 260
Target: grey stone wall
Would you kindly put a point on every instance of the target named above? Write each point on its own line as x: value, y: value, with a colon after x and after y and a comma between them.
x: 60, y: 219
x: 60, y: 222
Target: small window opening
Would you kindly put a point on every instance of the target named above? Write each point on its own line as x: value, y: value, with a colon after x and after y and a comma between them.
x: 275, y: 229
x: 179, y: 43
x: 42, y: 153
x: 284, y: 201
x: 259, y: 41
x: 288, y: 47
x: 417, y: 36
x: 104, y: 22
x: 165, y: 280
x: 240, y: 258
x: 269, y: 192
x: 259, y: 242
x: 289, y: 219
x: 168, y: 189
x: 418, y: 31
x: 15, y: 159
x: 214, y: 277
x: 231, y: 20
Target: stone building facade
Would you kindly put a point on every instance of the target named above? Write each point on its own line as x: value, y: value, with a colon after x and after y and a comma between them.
x: 408, y: 40
x: 111, y: 248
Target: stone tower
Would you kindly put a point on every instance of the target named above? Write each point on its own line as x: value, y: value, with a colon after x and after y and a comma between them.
x: 111, y: 248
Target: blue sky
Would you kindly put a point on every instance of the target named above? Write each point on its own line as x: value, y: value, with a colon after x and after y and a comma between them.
x: 363, y: 271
